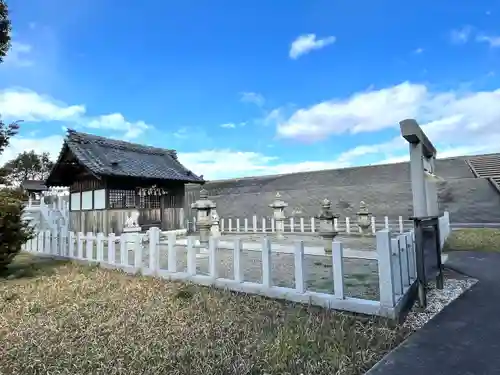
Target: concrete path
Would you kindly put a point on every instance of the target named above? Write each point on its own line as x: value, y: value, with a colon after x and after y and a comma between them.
x: 464, y: 339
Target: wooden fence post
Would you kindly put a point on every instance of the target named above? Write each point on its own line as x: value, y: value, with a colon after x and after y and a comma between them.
x: 154, y: 250
x: 404, y: 261
x: 112, y: 249
x: 266, y: 262
x: 47, y: 248
x: 238, y: 276
x: 55, y: 242
x: 191, y: 256
x: 385, y: 270
x: 137, y: 246
x: 212, y: 257
x: 172, y: 255
x: 89, y: 248
x: 396, y: 261
x: 300, y: 285
x: 338, y: 269
x: 412, y: 264
x: 100, y: 246
x: 123, y: 250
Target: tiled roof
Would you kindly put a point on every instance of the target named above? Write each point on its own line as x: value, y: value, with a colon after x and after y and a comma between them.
x: 110, y: 157
x: 34, y: 185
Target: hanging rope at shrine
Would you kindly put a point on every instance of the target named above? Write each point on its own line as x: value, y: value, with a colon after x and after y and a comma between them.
x: 151, y: 191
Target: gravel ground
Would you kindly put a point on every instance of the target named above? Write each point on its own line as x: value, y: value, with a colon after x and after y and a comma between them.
x: 355, y: 242
x: 454, y: 285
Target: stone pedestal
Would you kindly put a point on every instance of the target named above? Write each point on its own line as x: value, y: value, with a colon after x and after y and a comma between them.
x: 203, y: 207
x: 326, y: 225
x: 278, y: 207
x: 364, y: 218
x: 129, y: 235
x: 131, y: 230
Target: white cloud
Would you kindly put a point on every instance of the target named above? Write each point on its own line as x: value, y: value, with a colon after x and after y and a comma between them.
x: 464, y: 35
x: 226, y: 163
x: 492, y: 40
x: 468, y: 113
x: 364, y: 111
x: 19, y: 55
x: 252, y: 97
x: 418, y: 51
x: 116, y: 121
x: 461, y: 36
x: 307, y: 43
x: 233, y: 125
x: 221, y: 164
x: 457, y: 122
x: 17, y: 104
x: 26, y: 105
x: 51, y: 144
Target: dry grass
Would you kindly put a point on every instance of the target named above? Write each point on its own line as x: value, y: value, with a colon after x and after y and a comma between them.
x: 62, y: 318
x: 480, y: 239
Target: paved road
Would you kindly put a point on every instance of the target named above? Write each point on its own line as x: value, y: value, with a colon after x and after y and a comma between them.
x: 464, y: 339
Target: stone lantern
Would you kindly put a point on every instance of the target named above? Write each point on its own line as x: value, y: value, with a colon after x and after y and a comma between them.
x: 278, y: 207
x: 203, y: 207
x: 326, y: 224
x: 364, y: 218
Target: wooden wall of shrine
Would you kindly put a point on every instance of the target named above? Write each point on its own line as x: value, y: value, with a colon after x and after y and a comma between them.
x: 103, y: 205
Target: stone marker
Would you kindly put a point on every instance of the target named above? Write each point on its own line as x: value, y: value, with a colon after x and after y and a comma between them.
x: 364, y: 218
x: 203, y: 206
x: 278, y: 207
x: 326, y: 226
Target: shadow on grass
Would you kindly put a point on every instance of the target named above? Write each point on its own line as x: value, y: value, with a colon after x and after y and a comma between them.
x: 28, y: 266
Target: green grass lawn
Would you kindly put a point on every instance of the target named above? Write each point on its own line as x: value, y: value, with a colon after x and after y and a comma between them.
x: 482, y: 239
x: 64, y: 318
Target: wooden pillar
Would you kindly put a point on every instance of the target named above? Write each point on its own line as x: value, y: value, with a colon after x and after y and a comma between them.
x: 163, y: 218
x: 418, y: 184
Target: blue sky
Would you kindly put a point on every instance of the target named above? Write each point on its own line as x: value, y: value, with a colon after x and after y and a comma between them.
x: 256, y: 87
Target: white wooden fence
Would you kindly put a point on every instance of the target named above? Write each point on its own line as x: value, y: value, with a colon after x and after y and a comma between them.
x: 307, y: 225
x: 52, y: 213
x: 395, y: 256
